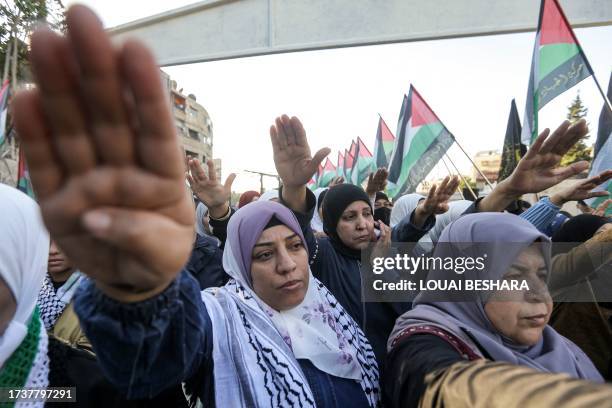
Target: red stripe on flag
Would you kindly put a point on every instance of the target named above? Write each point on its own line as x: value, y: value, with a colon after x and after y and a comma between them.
x: 386, y: 134
x: 421, y: 112
x: 555, y: 28
x: 363, y: 150
x: 329, y: 166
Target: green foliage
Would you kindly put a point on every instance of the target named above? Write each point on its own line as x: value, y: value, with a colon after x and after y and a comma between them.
x: 470, y: 182
x: 580, y: 151
x: 20, y: 17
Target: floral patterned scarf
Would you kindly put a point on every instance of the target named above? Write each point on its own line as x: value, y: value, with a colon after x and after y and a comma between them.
x: 318, y: 329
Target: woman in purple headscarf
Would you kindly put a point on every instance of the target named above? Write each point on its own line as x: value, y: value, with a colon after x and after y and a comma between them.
x: 272, y: 336
x: 505, y: 326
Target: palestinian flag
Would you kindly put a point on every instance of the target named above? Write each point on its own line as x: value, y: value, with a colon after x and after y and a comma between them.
x: 421, y: 140
x: 362, y: 163
x: 558, y: 63
x: 383, y: 146
x: 4, y: 96
x: 348, y: 161
x: 312, y: 184
x: 340, y: 167
x: 328, y: 173
x: 513, y: 149
x: 23, y: 176
x: 602, y: 159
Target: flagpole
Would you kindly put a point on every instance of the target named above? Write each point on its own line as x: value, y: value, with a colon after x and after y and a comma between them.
x: 451, y: 174
x: 462, y: 178
x: 475, y: 166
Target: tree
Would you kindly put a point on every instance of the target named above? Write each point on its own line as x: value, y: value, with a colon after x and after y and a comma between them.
x: 580, y: 151
x: 17, y: 20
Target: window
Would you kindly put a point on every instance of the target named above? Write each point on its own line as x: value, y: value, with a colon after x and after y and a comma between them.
x: 193, y: 134
x: 179, y: 102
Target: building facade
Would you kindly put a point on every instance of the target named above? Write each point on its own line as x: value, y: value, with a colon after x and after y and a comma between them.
x: 193, y: 124
x: 488, y: 161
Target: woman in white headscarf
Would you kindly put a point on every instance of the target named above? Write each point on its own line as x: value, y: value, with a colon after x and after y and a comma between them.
x: 455, y: 210
x: 24, y: 248
x: 404, y: 206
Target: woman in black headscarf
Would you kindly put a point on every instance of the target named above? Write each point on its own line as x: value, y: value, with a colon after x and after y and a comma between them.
x: 349, y: 224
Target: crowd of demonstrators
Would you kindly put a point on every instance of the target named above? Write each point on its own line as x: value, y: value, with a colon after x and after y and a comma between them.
x: 150, y: 294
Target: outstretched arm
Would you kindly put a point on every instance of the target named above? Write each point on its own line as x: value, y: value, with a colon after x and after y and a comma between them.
x: 538, y: 170
x: 100, y: 143
x: 293, y: 161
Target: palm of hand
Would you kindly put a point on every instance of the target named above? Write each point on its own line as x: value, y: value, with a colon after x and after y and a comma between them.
x: 103, y: 157
x: 293, y: 164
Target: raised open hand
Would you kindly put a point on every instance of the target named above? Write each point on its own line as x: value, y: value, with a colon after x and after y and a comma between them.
x: 582, y: 190
x: 537, y: 170
x: 377, y: 181
x: 208, y: 189
x: 292, y: 158
x: 104, y: 159
x: 436, y: 201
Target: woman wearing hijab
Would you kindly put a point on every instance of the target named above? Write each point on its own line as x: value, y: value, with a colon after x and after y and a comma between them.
x: 272, y: 336
x: 24, y: 248
x: 404, y: 206
x: 248, y: 197
x: 455, y: 210
x: 582, y: 266
x: 349, y: 225
x: 506, y: 327
x: 205, y: 260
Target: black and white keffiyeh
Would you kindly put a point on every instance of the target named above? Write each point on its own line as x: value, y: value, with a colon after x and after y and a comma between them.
x: 52, y: 303
x: 249, y: 350
x: 256, y: 349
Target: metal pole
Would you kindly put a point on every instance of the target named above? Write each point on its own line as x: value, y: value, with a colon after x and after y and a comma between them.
x: 475, y: 166
x: 452, y: 174
x: 462, y: 178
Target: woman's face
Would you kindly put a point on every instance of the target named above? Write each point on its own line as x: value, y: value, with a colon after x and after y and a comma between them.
x: 58, y: 265
x: 279, y: 268
x: 356, y: 225
x: 523, y: 315
x: 7, y: 306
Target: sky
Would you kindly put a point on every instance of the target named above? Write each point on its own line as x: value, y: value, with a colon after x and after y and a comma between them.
x: 338, y: 94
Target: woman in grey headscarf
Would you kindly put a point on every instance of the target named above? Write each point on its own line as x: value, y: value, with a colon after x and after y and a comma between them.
x: 273, y: 336
x: 505, y: 326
